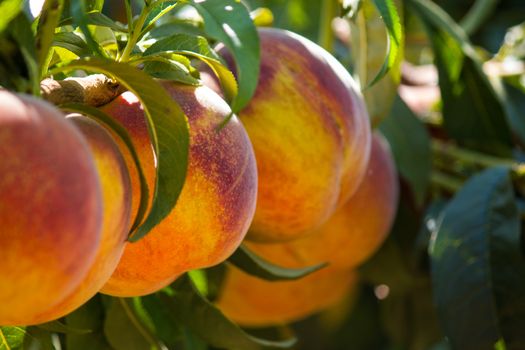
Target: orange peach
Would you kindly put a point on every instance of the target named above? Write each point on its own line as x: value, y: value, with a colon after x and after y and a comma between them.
x: 253, y: 302
x: 310, y: 130
x: 116, y: 194
x: 356, y: 230
x: 50, y: 208
x: 217, y: 202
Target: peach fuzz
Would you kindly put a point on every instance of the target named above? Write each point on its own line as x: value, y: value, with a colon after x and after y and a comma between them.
x: 311, y: 134
x: 217, y: 202
x: 116, y: 193
x: 356, y: 230
x: 50, y: 208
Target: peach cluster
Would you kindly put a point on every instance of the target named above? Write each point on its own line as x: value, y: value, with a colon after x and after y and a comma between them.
x: 298, y: 173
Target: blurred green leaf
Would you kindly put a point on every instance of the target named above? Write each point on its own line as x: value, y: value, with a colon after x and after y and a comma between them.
x: 392, y: 21
x: 99, y: 19
x: 38, y: 339
x: 164, y: 68
x: 9, y: 10
x: 59, y: 327
x: 72, y: 42
x: 229, y: 22
x: 249, y: 262
x: 206, y: 321
x: 472, y: 112
x: 89, y: 316
x: 167, y: 327
x: 168, y: 128
x: 478, y: 271
x: 410, y: 144
x: 11, y: 337
x: 79, y: 10
x: 124, y: 330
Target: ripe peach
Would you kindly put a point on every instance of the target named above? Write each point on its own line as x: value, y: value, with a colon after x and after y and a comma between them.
x: 217, y: 202
x: 116, y: 194
x: 254, y: 302
x: 50, y: 208
x: 310, y: 131
x: 356, y: 230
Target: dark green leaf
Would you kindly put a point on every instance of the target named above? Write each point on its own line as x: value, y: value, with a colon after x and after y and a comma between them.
x: 472, y: 112
x: 167, y: 328
x: 198, y: 47
x: 89, y: 316
x: 254, y: 265
x: 206, y: 321
x: 47, y: 22
x: 410, y: 145
x: 20, y: 29
x: 478, y: 271
x: 124, y: 330
x: 38, y: 339
x: 514, y: 104
x: 117, y: 128
x: 9, y: 10
x: 72, y: 42
x: 389, y: 14
x: 11, y: 337
x: 99, y: 19
x: 59, y: 327
x: 229, y: 22
x: 168, y: 129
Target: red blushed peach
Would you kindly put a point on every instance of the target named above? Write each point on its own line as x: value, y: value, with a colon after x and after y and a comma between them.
x: 253, y: 302
x: 356, y: 230
x: 116, y: 194
x: 310, y: 130
x: 217, y: 202
x: 50, y: 208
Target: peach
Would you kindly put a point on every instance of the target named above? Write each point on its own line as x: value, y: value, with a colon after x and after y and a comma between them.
x: 310, y: 130
x: 253, y: 302
x: 116, y: 194
x: 356, y: 230
x: 217, y: 202
x: 50, y: 208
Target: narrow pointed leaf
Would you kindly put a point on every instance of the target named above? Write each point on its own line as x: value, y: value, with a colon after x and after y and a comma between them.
x: 168, y: 128
x: 254, y: 265
x: 11, y: 337
x: 206, y: 321
x: 392, y: 21
x: 229, y: 22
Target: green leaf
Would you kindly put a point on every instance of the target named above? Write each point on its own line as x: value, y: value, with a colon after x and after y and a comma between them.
x: 11, y: 337
x: 229, y: 22
x: 478, y: 270
x: 117, y: 128
x: 47, y: 22
x: 167, y: 328
x: 472, y: 112
x: 410, y: 144
x: 72, y: 42
x: 206, y: 321
x: 124, y: 330
x: 197, y: 47
x: 390, y: 17
x: 168, y: 128
x: 251, y: 263
x: 59, y: 327
x: 80, y: 18
x: 9, y: 10
x: 88, y: 316
x: 99, y: 19
x: 164, y: 68
x: 37, y: 338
